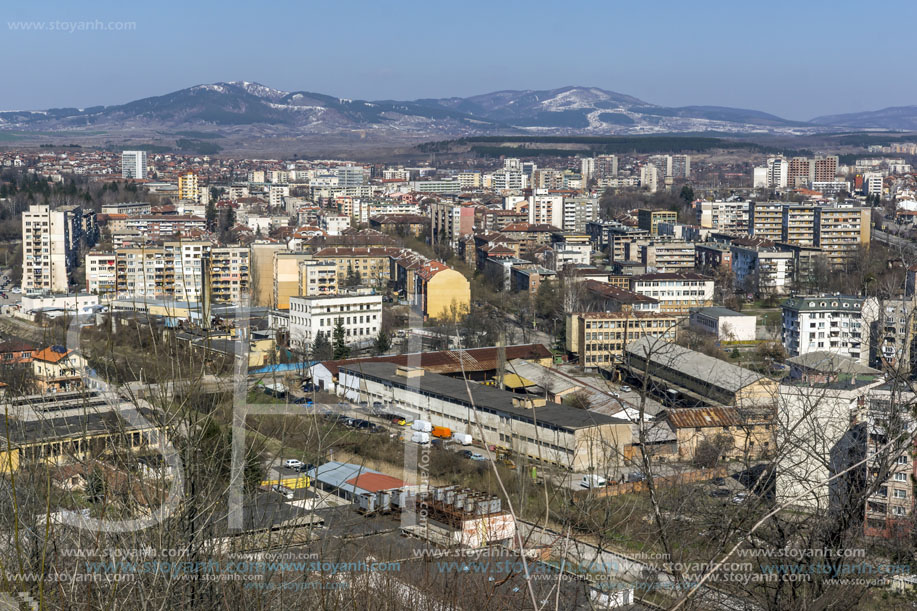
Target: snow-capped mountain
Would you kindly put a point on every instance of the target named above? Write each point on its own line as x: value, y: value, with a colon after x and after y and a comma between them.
x: 242, y: 106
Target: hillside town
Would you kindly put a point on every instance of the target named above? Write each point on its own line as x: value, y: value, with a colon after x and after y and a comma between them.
x: 653, y: 350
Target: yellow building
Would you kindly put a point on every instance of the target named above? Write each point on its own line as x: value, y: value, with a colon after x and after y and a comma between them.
x: 262, y: 272
x: 438, y: 288
x: 372, y: 263
x: 188, y: 187
x: 649, y: 220
x: 317, y: 278
x: 286, y: 277
x: 598, y: 338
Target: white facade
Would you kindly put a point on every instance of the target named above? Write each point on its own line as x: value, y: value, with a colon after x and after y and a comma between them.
x: 777, y: 172
x: 545, y: 209
x: 872, y: 183
x: 133, y: 164
x: 47, y: 247
x: 361, y: 316
x: 830, y: 322
x: 649, y: 177
x: 762, y: 270
x: 334, y: 224
x: 725, y: 324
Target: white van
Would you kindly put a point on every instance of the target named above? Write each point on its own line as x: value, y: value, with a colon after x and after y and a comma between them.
x: 593, y: 481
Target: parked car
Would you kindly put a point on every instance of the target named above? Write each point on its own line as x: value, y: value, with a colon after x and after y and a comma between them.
x: 626, y: 388
x: 306, y: 467
x: 720, y: 492
x: 293, y: 463
x: 636, y: 476
x: 17, y: 290
x: 476, y: 456
x: 281, y: 489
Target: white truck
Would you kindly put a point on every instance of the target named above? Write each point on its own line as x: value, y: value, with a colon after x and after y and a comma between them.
x: 420, y: 437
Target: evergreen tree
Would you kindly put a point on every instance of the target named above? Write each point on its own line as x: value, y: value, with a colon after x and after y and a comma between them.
x: 340, y: 349
x: 687, y: 194
x: 383, y: 343
x: 321, y: 347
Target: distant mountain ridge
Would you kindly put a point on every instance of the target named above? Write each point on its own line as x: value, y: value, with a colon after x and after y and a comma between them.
x: 243, y: 107
x: 893, y: 118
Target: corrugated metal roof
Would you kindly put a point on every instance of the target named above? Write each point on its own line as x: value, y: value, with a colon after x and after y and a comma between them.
x: 692, y: 364
x: 703, y: 417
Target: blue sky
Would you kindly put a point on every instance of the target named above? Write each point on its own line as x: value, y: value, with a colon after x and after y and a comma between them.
x: 795, y: 59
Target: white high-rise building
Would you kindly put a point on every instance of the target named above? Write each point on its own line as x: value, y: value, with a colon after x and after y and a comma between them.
x: 649, y: 177
x: 587, y: 168
x: 872, y: 183
x: 49, y: 239
x: 133, y: 164
x: 777, y: 172
x: 833, y: 323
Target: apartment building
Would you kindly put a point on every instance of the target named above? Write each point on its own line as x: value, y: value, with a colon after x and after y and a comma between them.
x: 578, y: 212
x: 648, y: 220
x: 799, y: 223
x: 893, y: 335
x: 835, y: 323
x: 841, y: 232
x: 160, y: 226
x: 677, y: 292
x: 762, y: 269
x: 175, y: 270
x: 188, y: 187
x: 359, y: 314
x: 889, y: 510
x: 597, y: 339
x: 49, y: 246
x: 824, y: 168
x: 317, y: 278
x: 777, y: 173
x: 101, y: 277
x: 229, y: 273
x: 711, y: 255
x: 872, y: 183
x: 469, y: 180
x: 680, y: 166
x: 372, y: 263
x: 727, y: 216
x: 605, y: 166
x: 820, y: 415
x: 765, y: 220
x: 133, y: 164
x: 333, y: 224
x: 449, y: 222
x: 668, y: 255
x: 546, y: 209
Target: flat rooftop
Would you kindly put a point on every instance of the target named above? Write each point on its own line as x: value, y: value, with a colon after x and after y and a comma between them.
x: 485, y: 398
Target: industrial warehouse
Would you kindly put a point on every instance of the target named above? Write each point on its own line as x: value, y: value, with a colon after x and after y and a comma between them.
x: 578, y: 439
